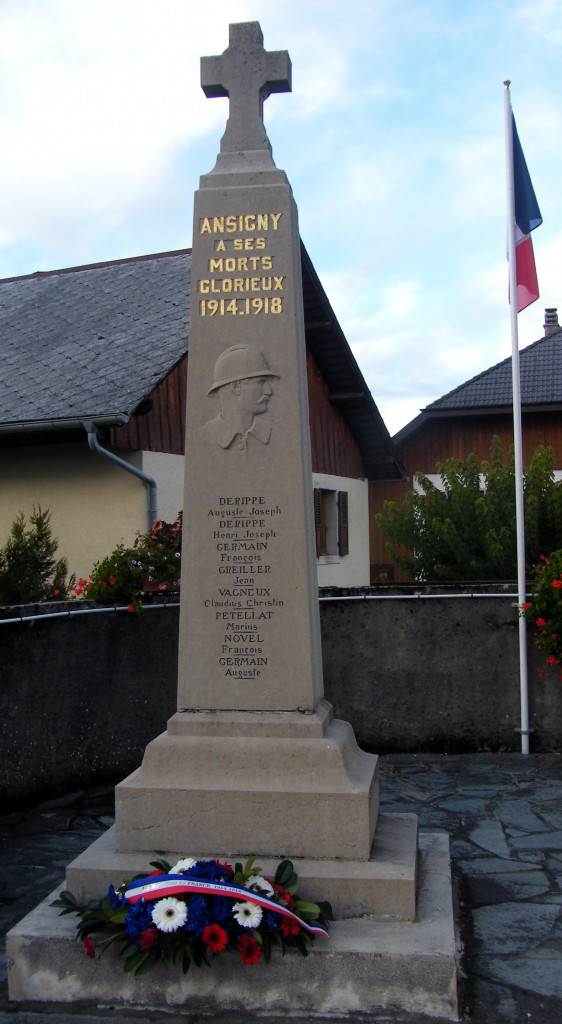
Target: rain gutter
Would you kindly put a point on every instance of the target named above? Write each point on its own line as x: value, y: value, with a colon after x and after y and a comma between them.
x: 91, y: 429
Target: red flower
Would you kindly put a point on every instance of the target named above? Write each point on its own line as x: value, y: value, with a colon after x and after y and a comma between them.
x: 541, y: 622
x: 55, y: 591
x: 226, y: 867
x: 78, y: 591
x: 526, y: 605
x: 130, y: 608
x: 557, y: 584
x: 284, y: 896
x: 112, y: 580
x: 215, y: 938
x: 148, y: 938
x: 88, y: 947
x: 289, y: 927
x: 551, y: 660
x: 249, y: 950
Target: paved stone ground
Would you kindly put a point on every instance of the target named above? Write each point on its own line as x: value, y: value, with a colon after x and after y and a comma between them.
x: 503, y: 813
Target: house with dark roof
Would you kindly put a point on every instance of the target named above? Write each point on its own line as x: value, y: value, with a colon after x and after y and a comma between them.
x: 92, y: 410
x: 465, y: 420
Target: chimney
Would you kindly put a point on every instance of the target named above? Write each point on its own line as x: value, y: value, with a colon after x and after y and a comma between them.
x: 551, y: 324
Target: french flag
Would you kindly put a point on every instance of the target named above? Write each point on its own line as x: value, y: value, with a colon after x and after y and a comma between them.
x: 527, y: 218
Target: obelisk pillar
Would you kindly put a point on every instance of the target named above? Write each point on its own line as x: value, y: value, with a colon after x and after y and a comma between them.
x: 252, y: 761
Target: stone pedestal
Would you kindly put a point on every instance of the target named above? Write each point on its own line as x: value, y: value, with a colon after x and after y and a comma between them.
x: 272, y: 784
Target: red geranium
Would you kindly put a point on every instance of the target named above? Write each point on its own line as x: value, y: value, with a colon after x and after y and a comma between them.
x: 215, y: 938
x: 249, y: 950
x: 148, y: 938
x: 540, y: 622
x: 557, y: 584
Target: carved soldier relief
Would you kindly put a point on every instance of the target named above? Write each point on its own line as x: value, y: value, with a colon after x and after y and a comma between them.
x: 243, y: 384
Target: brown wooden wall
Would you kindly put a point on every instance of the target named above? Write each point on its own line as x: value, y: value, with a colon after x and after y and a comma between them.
x: 333, y: 447
x: 162, y: 429
x: 456, y: 437
x: 443, y: 438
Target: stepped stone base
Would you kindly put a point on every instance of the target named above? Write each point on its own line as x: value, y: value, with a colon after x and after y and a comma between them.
x: 365, y: 966
x: 384, y: 886
x: 276, y: 781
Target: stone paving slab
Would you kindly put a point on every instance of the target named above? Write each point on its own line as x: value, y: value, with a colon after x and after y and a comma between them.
x: 499, y: 987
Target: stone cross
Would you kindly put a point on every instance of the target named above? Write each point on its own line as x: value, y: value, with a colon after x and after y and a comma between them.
x: 247, y: 74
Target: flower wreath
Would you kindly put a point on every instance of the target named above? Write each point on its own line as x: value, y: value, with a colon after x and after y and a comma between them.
x: 191, y: 912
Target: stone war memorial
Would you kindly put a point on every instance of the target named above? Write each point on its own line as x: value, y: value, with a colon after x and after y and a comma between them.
x: 253, y: 763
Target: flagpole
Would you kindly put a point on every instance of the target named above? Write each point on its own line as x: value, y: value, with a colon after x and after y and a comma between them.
x: 517, y: 428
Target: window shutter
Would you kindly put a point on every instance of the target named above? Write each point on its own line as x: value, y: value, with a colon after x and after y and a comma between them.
x: 318, y: 520
x: 343, y: 523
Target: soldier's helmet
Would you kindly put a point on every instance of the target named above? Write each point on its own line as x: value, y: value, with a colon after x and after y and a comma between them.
x: 237, y: 363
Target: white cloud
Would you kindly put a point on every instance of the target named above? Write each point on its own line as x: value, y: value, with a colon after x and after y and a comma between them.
x: 98, y: 102
x: 543, y: 18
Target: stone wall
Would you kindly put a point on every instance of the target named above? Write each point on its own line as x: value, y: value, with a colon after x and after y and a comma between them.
x: 81, y: 696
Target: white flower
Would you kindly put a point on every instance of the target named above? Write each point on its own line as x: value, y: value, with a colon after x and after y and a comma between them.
x: 248, y: 915
x: 183, y: 865
x: 169, y: 914
x: 261, y: 885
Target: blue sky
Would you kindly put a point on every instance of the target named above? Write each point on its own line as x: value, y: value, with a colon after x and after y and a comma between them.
x: 392, y: 139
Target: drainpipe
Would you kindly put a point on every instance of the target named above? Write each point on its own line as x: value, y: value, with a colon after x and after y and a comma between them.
x: 91, y: 431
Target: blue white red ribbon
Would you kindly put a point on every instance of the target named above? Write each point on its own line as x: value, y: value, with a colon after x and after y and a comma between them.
x: 156, y: 887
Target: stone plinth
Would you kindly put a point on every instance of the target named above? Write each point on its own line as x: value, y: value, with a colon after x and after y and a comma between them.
x: 275, y: 784
x: 382, y: 886
x: 365, y: 966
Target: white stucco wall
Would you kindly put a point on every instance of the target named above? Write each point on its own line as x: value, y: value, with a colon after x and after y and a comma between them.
x: 350, y: 570
x: 94, y: 504
x: 167, y: 471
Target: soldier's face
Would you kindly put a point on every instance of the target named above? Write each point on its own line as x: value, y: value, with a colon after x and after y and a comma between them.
x: 255, y: 393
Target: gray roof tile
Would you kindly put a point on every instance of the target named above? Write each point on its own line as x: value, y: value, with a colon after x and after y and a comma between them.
x: 88, y: 342
x: 540, y: 367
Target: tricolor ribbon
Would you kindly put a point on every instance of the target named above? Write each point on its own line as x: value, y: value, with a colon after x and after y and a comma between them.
x: 154, y: 888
